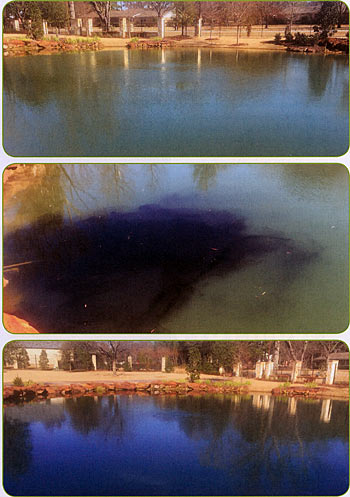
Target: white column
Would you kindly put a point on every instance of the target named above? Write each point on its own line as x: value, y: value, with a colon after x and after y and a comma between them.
x: 130, y: 361
x: 16, y: 24
x: 122, y: 27
x: 199, y: 27
x: 332, y: 367
x: 237, y: 369
x: 296, y: 370
x: 45, y: 29
x: 89, y: 26
x: 259, y: 369
x: 163, y: 364
x: 161, y: 27
x: 94, y: 361
x: 268, y: 369
x: 15, y: 364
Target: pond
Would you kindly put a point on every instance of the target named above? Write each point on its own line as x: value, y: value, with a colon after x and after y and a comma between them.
x: 176, y: 103
x: 177, y: 248
x: 169, y: 445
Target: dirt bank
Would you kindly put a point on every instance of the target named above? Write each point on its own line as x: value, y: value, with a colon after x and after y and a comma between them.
x: 69, y: 378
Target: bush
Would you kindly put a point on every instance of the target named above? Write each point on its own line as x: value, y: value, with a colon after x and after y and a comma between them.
x: 99, y: 390
x: 134, y: 40
x: 285, y: 384
x: 289, y: 37
x: 18, y: 382
x: 278, y: 38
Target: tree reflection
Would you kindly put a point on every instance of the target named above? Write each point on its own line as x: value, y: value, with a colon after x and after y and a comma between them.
x: 276, y: 434
x: 17, y: 447
x: 204, y: 175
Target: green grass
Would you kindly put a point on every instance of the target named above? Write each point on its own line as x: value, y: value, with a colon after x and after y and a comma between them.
x: 286, y: 384
x: 311, y: 384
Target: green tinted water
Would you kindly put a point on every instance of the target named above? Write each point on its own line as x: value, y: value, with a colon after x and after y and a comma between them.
x: 193, y: 102
x: 220, y: 248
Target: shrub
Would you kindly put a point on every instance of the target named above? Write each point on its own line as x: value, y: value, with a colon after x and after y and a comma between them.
x: 289, y: 37
x: 18, y: 382
x: 99, y: 390
x: 193, y: 365
x: 278, y: 38
x: 134, y: 40
x: 127, y: 367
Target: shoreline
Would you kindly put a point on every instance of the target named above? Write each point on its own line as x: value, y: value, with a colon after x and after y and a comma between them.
x: 19, y: 47
x: 53, y: 384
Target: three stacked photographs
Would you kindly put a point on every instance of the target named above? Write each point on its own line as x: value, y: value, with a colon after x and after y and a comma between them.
x: 185, y: 173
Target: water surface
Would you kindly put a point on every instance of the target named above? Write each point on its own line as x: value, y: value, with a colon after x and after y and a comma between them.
x: 178, y: 248
x: 171, y: 103
x: 169, y: 445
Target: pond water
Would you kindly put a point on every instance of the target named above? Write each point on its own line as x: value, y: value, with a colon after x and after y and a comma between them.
x: 169, y: 445
x: 177, y: 248
x: 176, y: 103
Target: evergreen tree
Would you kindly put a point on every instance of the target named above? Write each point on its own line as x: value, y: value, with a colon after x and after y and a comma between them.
x: 34, y: 21
x: 43, y: 360
x: 22, y: 358
x: 194, y: 361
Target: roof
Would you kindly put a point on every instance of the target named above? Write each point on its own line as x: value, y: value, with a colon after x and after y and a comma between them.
x: 48, y: 345
x: 339, y: 356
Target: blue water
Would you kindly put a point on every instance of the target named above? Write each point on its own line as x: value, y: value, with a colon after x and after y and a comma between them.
x: 206, y: 445
x: 176, y: 103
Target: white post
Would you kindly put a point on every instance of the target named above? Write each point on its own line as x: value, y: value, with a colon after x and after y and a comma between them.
x: 15, y: 364
x: 237, y: 368
x: 123, y: 27
x: 89, y: 26
x: 16, y: 23
x: 268, y: 369
x: 94, y: 361
x: 130, y: 361
x: 332, y: 367
x: 163, y: 364
x: 161, y: 27
x: 326, y: 410
x: 45, y: 28
x: 258, y: 369
x: 296, y: 371
x: 199, y: 27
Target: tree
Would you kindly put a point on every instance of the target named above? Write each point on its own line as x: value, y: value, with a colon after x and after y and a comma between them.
x: 43, y: 360
x: 10, y: 351
x: 161, y: 8
x: 55, y: 13
x: 80, y: 352
x: 239, y: 13
x: 194, y: 361
x: 34, y: 21
x: 186, y: 14
x: 22, y: 358
x: 65, y: 362
x: 326, y: 20
x: 341, y: 10
x: 112, y: 350
x: 103, y: 10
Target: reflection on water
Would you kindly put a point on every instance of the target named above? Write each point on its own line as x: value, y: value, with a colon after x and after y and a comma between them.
x: 192, y: 102
x: 177, y: 248
x: 209, y: 445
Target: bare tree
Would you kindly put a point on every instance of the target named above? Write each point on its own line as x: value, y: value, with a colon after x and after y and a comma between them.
x: 112, y: 351
x: 103, y: 9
